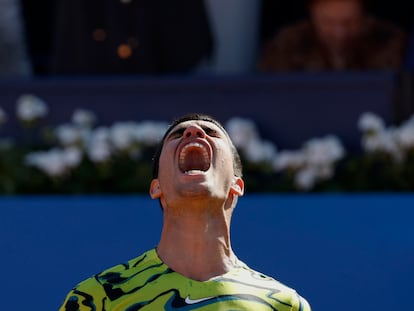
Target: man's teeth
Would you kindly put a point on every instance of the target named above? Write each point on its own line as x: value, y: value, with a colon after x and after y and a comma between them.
x: 190, y: 172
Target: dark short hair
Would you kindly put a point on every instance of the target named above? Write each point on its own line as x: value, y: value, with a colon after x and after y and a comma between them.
x: 237, y: 165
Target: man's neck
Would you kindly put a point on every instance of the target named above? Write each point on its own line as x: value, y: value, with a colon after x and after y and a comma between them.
x: 197, y: 246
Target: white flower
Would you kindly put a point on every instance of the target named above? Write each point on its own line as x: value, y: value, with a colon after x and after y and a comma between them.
x: 305, y: 179
x: 100, y: 134
x: 313, y: 162
x: 241, y: 131
x: 99, y: 146
x: 99, y: 151
x: 30, y: 108
x: 409, y: 121
x: 3, y: 116
x: 370, y: 122
x: 84, y: 118
x: 372, y: 143
x: 122, y: 135
x: 72, y: 157
x: 149, y: 132
x: 50, y: 162
x: 405, y: 135
x: 257, y: 151
x: 385, y: 141
x: 54, y: 162
x: 261, y: 151
x: 245, y: 137
x: 68, y: 134
x: 321, y: 151
x: 288, y: 159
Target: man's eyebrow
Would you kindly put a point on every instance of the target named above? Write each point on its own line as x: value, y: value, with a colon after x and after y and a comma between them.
x: 208, y: 126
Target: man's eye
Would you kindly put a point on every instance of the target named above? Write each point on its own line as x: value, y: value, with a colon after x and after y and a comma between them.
x: 176, y: 134
x: 211, y: 132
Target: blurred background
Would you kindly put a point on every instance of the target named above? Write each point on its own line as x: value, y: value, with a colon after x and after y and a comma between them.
x: 307, y: 82
x: 224, y: 37
x: 316, y: 94
x: 230, y: 36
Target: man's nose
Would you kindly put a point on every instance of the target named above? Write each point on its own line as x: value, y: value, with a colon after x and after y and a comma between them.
x: 194, y: 130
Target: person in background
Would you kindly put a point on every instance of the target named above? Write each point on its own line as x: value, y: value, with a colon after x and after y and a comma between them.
x: 14, y: 59
x: 197, y: 179
x: 338, y: 35
x: 130, y: 37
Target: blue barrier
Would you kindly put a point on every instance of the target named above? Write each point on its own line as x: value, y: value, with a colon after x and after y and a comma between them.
x: 341, y: 252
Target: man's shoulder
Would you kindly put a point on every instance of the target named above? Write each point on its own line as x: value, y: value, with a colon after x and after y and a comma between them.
x: 121, y: 270
x: 107, y: 284
x: 144, y: 260
x: 265, y: 279
x: 283, y: 292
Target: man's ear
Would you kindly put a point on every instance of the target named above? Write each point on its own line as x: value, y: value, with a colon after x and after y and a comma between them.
x: 237, y: 187
x: 155, y: 190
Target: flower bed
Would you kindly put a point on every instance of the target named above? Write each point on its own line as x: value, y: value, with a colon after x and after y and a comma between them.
x: 82, y: 156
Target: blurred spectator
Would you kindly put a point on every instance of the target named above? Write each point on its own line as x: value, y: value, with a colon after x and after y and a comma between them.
x: 130, y: 36
x: 14, y: 60
x: 338, y: 35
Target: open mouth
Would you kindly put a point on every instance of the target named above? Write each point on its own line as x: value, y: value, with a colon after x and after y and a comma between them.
x: 194, y: 158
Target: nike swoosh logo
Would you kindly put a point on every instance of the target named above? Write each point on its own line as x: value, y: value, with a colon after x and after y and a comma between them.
x: 190, y: 301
